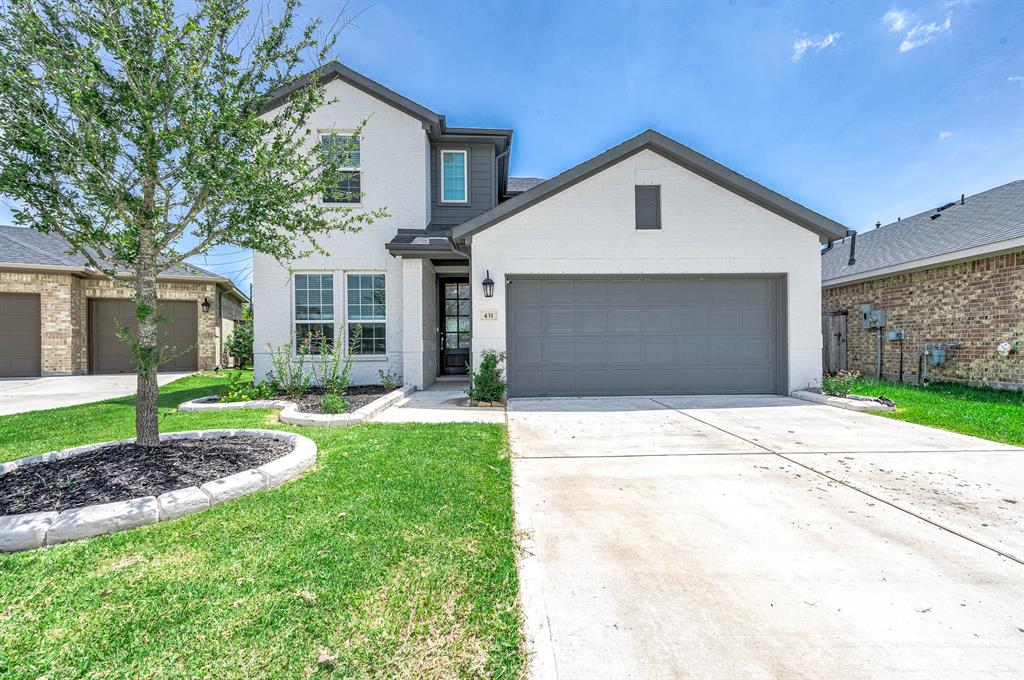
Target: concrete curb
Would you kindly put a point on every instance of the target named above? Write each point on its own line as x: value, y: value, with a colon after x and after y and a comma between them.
x: 291, y: 414
x: 37, y: 529
x: 841, y: 402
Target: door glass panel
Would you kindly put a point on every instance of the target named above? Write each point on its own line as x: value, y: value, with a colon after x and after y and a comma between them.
x: 451, y: 307
x: 463, y: 307
x: 463, y: 291
x: 464, y: 324
x: 451, y: 323
x: 451, y: 291
x: 463, y: 340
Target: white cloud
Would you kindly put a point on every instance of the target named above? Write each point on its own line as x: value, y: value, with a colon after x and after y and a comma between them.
x: 1016, y: 79
x: 895, y: 19
x: 922, y: 34
x: 802, y: 45
x: 945, y: 134
x: 915, y: 33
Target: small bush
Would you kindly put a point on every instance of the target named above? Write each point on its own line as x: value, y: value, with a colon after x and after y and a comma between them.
x: 239, y: 343
x: 286, y: 375
x: 839, y: 383
x: 488, y: 384
x: 244, y: 390
x: 332, y: 403
x: 390, y: 379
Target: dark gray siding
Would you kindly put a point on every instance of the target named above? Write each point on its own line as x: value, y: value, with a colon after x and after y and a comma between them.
x: 483, y: 190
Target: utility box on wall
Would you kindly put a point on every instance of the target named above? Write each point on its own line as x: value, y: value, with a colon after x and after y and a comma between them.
x: 871, y: 316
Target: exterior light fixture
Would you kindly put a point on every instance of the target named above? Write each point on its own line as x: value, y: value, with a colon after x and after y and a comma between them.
x: 488, y: 285
x: 206, y: 304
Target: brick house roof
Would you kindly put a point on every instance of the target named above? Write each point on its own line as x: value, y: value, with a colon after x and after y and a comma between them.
x: 986, y: 219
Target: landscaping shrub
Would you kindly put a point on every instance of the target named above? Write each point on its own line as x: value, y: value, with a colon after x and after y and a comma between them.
x: 332, y: 403
x: 287, y: 375
x: 390, y: 379
x: 838, y: 384
x: 239, y: 343
x: 240, y: 389
x: 488, y: 384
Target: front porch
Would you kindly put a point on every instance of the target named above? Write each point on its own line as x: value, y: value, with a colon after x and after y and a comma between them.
x: 437, y: 320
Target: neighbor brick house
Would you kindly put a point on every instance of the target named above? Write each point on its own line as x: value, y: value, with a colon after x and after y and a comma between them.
x: 951, y: 278
x: 58, y: 316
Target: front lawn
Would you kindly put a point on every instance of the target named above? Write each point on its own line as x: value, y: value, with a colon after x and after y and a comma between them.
x: 979, y: 412
x: 394, y: 557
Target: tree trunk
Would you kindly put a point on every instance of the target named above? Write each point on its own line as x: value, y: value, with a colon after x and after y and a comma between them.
x: 146, y: 350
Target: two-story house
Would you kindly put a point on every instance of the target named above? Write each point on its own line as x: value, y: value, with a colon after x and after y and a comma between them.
x: 649, y: 269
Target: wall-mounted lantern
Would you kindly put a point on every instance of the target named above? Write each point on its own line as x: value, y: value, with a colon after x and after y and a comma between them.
x: 488, y: 285
x: 206, y: 304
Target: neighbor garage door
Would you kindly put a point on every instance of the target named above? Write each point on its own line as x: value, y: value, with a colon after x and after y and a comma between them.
x: 586, y: 336
x: 20, y: 337
x: 107, y: 354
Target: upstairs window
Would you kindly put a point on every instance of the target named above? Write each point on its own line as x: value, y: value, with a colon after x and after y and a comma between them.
x: 314, y: 311
x: 454, y: 187
x: 349, y: 190
x: 367, y: 314
x: 648, y: 207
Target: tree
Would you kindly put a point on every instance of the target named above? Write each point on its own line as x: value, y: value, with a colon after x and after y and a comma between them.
x: 131, y: 130
x: 239, y: 343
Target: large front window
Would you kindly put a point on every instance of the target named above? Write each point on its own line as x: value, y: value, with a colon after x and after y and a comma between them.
x: 367, y: 314
x: 314, y: 311
x: 349, y: 189
x: 454, y: 186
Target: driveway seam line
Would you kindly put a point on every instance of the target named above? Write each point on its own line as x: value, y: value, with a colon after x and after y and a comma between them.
x: 935, y: 524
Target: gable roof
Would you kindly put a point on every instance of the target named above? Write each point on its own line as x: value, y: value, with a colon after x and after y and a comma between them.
x: 517, y: 185
x: 338, y: 70
x: 27, y: 248
x: 988, y: 221
x: 675, y: 152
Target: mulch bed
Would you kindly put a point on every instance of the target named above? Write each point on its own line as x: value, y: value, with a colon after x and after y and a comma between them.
x: 125, y: 471
x: 357, y: 397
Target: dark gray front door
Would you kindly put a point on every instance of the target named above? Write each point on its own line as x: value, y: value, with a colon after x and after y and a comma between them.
x: 456, y: 322
x: 589, y: 336
x: 20, y: 335
x: 178, y: 331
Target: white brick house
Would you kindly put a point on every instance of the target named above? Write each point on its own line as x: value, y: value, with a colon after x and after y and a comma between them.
x: 649, y: 269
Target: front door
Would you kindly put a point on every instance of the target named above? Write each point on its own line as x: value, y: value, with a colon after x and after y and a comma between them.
x: 455, y: 324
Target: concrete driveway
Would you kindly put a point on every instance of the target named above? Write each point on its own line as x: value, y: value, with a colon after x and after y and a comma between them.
x: 19, y: 395
x: 764, y: 537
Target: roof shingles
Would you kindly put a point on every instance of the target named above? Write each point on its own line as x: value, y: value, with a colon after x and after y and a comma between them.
x: 989, y: 217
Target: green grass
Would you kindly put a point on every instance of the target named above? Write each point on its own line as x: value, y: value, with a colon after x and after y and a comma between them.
x: 393, y: 558
x: 980, y: 412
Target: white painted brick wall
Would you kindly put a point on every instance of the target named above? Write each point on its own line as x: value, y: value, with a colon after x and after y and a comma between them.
x: 590, y: 228
x: 394, y: 173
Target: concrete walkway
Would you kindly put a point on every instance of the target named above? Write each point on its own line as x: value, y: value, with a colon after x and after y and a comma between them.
x: 442, y: 402
x: 763, y: 537
x: 19, y: 395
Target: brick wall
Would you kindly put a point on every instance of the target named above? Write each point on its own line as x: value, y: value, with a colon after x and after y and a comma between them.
x: 978, y: 304
x: 64, y: 311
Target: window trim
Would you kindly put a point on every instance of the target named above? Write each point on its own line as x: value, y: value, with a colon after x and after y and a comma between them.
x: 295, y: 321
x: 440, y: 176
x: 344, y: 132
x: 345, y: 350
x: 637, y: 190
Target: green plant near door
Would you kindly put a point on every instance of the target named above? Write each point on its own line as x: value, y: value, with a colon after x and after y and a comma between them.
x: 488, y: 383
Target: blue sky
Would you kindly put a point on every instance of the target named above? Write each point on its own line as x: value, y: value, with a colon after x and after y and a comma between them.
x: 862, y: 111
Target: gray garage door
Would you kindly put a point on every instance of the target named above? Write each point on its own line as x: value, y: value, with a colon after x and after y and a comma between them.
x: 107, y: 354
x: 20, y: 336
x: 586, y: 336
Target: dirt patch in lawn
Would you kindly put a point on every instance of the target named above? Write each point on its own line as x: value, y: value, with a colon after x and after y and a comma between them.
x: 125, y: 471
x: 357, y: 397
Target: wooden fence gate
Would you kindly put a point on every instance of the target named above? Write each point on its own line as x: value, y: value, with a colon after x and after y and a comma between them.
x: 833, y: 345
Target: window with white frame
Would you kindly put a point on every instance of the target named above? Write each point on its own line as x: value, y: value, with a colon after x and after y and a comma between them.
x: 454, y: 178
x: 348, y: 191
x: 314, y: 311
x: 367, y: 314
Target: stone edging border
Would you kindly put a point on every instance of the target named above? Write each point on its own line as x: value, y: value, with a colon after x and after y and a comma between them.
x: 37, y: 529
x: 291, y: 414
x: 860, y: 405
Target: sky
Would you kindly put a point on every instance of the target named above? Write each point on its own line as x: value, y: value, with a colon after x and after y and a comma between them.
x: 862, y: 111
